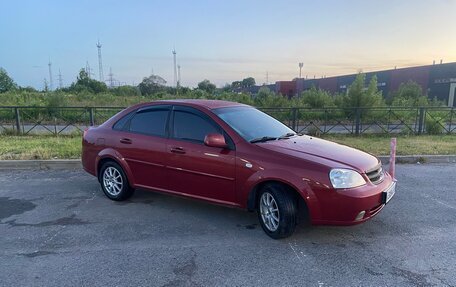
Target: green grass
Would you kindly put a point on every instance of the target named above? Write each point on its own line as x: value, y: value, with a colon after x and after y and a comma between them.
x: 68, y: 147
x: 406, y: 145
x: 40, y: 147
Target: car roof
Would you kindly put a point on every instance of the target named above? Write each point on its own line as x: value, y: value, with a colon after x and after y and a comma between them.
x: 209, y: 104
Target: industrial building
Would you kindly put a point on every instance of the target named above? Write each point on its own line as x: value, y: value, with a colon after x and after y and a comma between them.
x: 437, y: 81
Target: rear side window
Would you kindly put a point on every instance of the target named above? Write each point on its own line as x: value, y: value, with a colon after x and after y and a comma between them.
x: 120, y: 124
x: 191, y: 127
x: 150, y: 122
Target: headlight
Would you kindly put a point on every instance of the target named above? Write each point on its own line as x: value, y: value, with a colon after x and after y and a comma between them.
x: 345, y: 178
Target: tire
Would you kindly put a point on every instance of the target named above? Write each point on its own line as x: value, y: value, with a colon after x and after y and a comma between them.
x: 277, y: 211
x: 114, y: 182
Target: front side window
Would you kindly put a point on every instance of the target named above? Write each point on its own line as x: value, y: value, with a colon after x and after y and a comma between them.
x: 150, y: 122
x: 191, y: 127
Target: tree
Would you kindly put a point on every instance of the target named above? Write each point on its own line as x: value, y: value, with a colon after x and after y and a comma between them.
x: 151, y: 85
x: 410, y: 94
x: 6, y: 82
x: 226, y: 88
x: 267, y: 98
x: 248, y: 82
x: 316, y: 98
x: 236, y: 84
x: 85, y: 84
x: 359, y: 96
x: 207, y: 86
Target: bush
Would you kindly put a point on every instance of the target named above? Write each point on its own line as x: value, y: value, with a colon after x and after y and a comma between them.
x: 360, y: 96
x: 8, y: 132
x: 434, y: 125
x: 409, y: 94
x: 267, y: 98
x: 126, y: 91
x: 55, y: 100
x: 314, y: 98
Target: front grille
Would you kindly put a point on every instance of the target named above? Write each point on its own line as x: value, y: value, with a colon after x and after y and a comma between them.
x: 375, y: 175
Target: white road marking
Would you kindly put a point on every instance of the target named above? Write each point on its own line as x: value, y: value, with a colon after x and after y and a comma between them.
x: 296, y: 253
x: 438, y: 201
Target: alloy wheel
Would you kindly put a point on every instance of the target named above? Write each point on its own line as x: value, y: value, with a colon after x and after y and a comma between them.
x: 269, y: 211
x: 112, y: 181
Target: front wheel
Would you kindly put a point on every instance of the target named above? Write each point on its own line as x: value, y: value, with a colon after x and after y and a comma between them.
x: 277, y: 211
x: 114, y: 182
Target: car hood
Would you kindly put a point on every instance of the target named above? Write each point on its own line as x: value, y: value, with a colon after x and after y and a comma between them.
x: 311, y: 148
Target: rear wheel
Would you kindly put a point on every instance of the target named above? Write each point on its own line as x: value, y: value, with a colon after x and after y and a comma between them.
x: 277, y: 211
x: 114, y: 182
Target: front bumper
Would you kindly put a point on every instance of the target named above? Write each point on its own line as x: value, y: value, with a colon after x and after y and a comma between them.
x: 352, y: 206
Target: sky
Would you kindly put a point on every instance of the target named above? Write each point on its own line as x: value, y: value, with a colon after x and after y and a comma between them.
x: 221, y: 41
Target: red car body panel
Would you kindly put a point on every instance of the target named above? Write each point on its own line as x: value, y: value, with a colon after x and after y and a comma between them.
x: 230, y: 177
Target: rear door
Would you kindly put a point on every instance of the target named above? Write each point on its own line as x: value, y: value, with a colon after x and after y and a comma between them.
x: 143, y: 145
x: 194, y: 168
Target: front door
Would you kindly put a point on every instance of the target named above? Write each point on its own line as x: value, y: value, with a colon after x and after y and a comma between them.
x: 194, y: 168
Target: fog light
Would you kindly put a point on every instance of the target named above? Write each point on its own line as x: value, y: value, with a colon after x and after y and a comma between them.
x: 360, y: 215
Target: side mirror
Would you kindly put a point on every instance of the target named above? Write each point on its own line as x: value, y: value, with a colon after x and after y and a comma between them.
x: 215, y: 140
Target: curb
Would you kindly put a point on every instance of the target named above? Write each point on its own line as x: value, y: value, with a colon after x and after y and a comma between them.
x: 420, y: 159
x: 76, y: 163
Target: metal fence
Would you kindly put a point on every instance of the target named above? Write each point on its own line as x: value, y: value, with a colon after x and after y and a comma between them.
x: 377, y: 120
x: 53, y: 120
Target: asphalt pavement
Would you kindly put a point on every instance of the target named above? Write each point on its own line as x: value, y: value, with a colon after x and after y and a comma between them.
x: 58, y: 229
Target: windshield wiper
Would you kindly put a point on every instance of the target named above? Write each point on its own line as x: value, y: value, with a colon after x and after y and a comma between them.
x: 263, y: 139
x: 287, y: 136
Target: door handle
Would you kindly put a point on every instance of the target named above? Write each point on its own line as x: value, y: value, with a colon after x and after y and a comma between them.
x: 126, y: 141
x: 178, y: 150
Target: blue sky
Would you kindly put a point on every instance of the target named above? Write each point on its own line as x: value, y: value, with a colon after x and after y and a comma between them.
x: 222, y: 41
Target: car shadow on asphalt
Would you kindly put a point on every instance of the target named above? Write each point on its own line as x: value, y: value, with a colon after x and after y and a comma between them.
x: 235, y: 219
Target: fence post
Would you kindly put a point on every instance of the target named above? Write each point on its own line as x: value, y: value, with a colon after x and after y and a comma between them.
x: 294, y: 122
x: 91, y: 115
x: 18, y: 120
x: 451, y: 120
x: 357, y: 121
x: 421, y: 120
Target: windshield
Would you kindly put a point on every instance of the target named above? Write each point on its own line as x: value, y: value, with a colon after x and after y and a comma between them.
x: 252, y: 124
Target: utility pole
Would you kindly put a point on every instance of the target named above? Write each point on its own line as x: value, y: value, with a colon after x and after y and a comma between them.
x: 111, y: 78
x: 100, y: 64
x: 46, y: 87
x: 60, y: 80
x: 88, y: 70
x: 300, y: 69
x: 267, y: 78
x: 51, y: 84
x: 178, y: 76
x: 175, y: 68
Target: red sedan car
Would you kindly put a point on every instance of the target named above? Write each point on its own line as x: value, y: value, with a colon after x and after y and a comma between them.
x: 233, y: 154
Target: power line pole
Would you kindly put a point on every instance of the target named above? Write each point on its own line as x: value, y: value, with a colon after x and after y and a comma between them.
x: 175, y: 68
x: 267, y: 78
x: 100, y: 64
x: 88, y: 70
x: 51, y: 83
x: 111, y: 78
x: 60, y: 80
x: 300, y: 69
x: 178, y: 76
